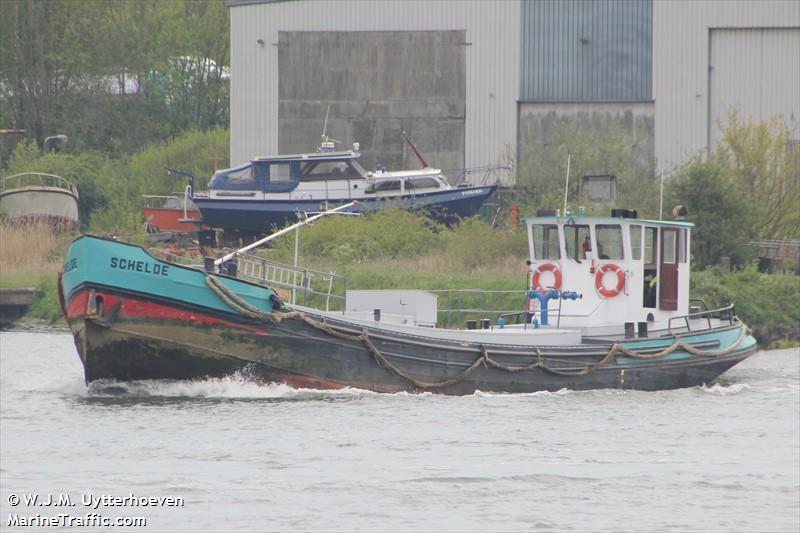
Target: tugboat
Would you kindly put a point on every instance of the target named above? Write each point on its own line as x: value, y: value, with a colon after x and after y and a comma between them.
x: 593, y: 320
x: 270, y: 192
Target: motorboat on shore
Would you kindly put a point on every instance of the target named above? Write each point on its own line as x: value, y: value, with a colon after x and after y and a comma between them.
x: 170, y: 213
x: 267, y: 193
x: 33, y: 197
x: 592, y: 320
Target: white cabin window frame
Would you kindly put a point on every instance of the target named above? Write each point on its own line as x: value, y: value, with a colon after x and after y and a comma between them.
x: 639, y: 246
x: 559, y: 239
x: 619, y: 237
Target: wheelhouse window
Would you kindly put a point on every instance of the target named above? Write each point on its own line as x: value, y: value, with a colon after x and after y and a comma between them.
x: 681, y: 245
x: 329, y: 170
x: 636, y: 242
x: 384, y: 186
x: 421, y: 183
x: 669, y: 246
x: 650, y: 240
x: 545, y: 242
x: 242, y: 176
x: 609, y: 241
x: 280, y: 172
x: 578, y: 241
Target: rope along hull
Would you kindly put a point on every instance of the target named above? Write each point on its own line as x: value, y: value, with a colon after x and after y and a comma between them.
x: 136, y: 317
x: 134, y: 337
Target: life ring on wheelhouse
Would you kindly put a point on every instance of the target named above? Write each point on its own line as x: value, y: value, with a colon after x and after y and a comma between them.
x: 546, y: 267
x: 598, y: 280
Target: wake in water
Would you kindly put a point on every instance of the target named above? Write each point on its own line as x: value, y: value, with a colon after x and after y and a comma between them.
x: 243, y: 386
x: 236, y: 386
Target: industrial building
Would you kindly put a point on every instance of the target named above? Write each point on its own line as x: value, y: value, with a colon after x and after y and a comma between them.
x: 497, y: 81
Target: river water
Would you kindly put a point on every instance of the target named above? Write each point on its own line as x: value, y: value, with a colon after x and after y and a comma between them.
x: 229, y: 455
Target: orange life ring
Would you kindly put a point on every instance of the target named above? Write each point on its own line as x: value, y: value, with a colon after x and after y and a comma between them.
x: 598, y: 280
x: 546, y: 267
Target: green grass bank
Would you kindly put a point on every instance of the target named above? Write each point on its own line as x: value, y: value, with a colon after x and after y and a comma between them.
x: 398, y: 250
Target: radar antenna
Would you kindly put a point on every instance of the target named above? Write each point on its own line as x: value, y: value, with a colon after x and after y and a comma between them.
x: 328, y: 143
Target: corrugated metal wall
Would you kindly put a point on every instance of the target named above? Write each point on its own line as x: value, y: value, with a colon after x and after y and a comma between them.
x: 578, y: 50
x: 753, y: 71
x: 492, y: 63
x: 682, y: 38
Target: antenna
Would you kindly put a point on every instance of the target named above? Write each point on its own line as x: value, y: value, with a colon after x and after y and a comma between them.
x: 416, y: 152
x: 566, y: 187
x: 328, y: 143
x: 325, y: 125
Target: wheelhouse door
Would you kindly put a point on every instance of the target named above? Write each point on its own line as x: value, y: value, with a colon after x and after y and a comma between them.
x: 668, y: 270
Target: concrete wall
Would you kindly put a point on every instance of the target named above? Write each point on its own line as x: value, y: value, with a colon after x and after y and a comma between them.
x: 754, y: 70
x: 491, y: 74
x: 373, y: 86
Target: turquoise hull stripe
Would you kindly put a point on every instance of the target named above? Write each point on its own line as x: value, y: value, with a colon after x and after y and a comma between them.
x: 725, y: 338
x: 130, y: 267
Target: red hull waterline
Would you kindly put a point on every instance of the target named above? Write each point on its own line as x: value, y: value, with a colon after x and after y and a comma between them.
x: 125, y: 336
x: 101, y: 318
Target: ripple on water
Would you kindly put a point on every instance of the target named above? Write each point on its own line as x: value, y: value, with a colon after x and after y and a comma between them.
x: 248, y: 455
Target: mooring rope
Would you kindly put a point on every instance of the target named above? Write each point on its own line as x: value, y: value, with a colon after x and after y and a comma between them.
x: 237, y: 303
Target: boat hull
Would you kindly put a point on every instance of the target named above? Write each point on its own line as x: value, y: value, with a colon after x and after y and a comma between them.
x: 135, y: 317
x: 260, y: 216
x: 167, y: 219
x: 142, y: 338
x: 50, y: 205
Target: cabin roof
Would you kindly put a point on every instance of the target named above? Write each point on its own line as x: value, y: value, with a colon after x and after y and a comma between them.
x: 600, y: 219
x: 311, y: 156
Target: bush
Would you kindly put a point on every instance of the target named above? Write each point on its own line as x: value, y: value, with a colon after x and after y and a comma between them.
x: 341, y: 240
x: 46, y: 305
x: 720, y: 216
x: 769, y: 303
x: 474, y: 243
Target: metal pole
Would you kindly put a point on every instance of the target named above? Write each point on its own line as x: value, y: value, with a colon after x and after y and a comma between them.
x: 296, y: 258
x: 284, y: 231
x: 566, y: 187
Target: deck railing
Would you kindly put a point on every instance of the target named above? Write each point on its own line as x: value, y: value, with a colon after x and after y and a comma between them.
x: 722, y: 313
x: 302, y: 286
x: 456, y: 306
x: 37, y: 179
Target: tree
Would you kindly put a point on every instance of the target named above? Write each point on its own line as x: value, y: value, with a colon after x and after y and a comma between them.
x: 747, y: 188
x: 66, y: 67
x: 704, y: 187
x: 765, y: 166
x: 44, y: 60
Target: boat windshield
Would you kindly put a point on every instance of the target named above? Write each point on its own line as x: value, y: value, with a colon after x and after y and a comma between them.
x: 545, y: 242
x: 578, y: 242
x: 383, y: 186
x: 422, y: 183
x: 330, y: 170
x: 609, y: 241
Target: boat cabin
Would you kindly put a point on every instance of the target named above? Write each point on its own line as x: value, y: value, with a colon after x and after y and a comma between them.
x: 325, y: 175
x: 626, y: 269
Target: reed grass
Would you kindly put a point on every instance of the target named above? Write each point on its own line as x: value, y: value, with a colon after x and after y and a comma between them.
x: 29, y: 253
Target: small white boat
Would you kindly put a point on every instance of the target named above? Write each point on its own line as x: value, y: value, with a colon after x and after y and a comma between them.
x: 37, y: 197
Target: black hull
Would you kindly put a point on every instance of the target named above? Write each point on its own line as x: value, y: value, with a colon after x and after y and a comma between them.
x: 304, y: 353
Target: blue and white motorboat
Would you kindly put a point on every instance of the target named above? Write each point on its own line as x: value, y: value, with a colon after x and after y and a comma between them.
x: 270, y: 192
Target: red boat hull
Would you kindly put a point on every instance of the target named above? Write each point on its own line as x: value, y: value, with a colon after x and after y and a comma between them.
x: 170, y: 219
